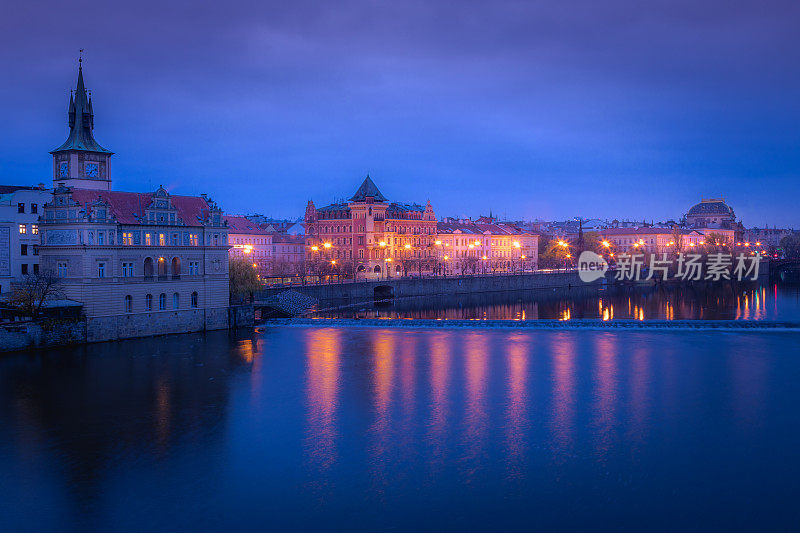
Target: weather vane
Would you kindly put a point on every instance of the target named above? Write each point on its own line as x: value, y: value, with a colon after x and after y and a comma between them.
x: 80, y: 55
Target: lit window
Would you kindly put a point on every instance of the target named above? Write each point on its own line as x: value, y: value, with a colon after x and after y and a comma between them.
x: 162, y: 239
x: 35, y: 228
x: 23, y: 228
x: 127, y: 239
x: 148, y: 239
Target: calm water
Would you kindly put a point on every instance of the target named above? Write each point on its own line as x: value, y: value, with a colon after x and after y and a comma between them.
x: 370, y: 429
x: 766, y: 302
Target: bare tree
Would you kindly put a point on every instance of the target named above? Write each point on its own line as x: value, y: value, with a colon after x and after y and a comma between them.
x: 34, y: 291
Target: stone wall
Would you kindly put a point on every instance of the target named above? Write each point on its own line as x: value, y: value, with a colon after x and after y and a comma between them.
x: 42, y: 334
x: 407, y: 287
x: 128, y: 326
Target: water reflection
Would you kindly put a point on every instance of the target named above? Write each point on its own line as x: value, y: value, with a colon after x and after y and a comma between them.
x: 724, y: 302
x: 308, y: 427
x: 322, y: 388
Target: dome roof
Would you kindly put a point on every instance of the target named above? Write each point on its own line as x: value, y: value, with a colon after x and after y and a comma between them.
x: 711, y: 207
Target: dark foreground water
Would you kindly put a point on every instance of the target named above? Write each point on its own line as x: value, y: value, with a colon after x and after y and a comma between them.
x: 363, y: 429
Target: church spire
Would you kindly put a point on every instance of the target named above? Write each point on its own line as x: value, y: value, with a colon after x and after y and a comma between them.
x: 81, y: 121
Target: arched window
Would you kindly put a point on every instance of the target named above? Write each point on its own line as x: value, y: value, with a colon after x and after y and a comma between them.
x: 194, y: 299
x: 162, y: 301
x: 128, y: 304
x: 148, y: 267
x: 148, y: 302
x: 162, y: 267
x: 176, y: 301
x: 176, y: 268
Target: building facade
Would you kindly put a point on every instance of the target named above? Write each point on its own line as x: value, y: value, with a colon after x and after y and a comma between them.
x: 369, y: 234
x: 20, y: 208
x: 140, y: 263
x: 651, y: 240
x: 714, y: 216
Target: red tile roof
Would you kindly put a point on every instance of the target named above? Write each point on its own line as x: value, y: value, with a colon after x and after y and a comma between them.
x: 127, y: 206
x: 243, y: 225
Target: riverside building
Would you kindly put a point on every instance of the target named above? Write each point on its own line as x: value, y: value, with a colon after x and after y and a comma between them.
x: 140, y: 263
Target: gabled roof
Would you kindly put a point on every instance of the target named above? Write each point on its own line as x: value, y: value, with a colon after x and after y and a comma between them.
x: 129, y: 207
x: 368, y: 189
x: 81, y: 123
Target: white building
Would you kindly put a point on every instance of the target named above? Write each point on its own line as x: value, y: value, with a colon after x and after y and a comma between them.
x: 20, y: 207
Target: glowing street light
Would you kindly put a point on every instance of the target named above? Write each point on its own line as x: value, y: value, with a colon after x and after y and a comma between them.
x: 407, y: 246
x: 438, y: 243
x: 315, y: 248
x: 516, y: 244
x: 327, y: 245
x: 382, y: 244
x: 606, y: 244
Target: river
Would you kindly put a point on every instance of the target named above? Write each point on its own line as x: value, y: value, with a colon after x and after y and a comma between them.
x: 372, y: 428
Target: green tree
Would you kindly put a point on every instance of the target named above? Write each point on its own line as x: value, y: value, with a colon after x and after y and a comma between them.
x: 243, y: 279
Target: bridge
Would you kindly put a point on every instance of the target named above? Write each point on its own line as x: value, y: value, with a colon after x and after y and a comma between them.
x: 348, y: 293
x: 786, y: 270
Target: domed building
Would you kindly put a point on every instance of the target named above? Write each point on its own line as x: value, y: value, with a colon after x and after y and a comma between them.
x: 713, y: 215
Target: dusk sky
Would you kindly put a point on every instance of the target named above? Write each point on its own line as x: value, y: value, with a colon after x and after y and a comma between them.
x: 614, y: 109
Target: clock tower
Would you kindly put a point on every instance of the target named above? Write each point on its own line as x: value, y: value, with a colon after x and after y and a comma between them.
x: 80, y: 162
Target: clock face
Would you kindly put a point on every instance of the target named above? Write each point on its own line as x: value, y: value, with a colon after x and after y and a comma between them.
x: 92, y: 169
x: 63, y: 169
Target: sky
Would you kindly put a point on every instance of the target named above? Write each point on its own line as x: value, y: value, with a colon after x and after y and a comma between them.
x: 550, y: 110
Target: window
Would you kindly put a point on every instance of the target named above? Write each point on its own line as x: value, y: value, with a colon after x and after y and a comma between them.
x: 162, y: 301
x: 23, y: 229
x: 101, y: 238
x: 20, y: 207
x: 128, y: 304
x: 148, y: 239
x: 162, y: 239
x: 35, y: 228
x: 194, y: 268
x: 127, y: 239
x: 193, y: 239
x: 23, y: 249
x: 36, y: 268
x: 34, y: 208
x: 62, y: 269
x: 174, y: 240
x: 35, y: 249
x: 176, y: 301
x: 148, y: 302
x: 101, y: 270
x: 24, y: 269
x: 194, y: 299
x: 127, y: 270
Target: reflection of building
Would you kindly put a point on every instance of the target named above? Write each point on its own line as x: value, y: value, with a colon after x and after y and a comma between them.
x: 650, y: 240
x: 141, y: 263
x: 713, y: 215
x: 19, y: 232
x: 369, y: 233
